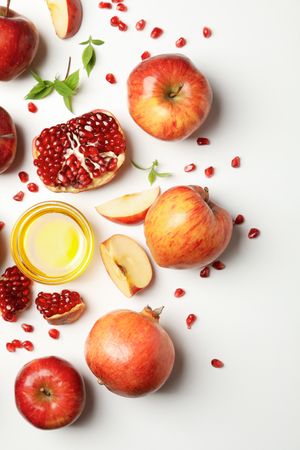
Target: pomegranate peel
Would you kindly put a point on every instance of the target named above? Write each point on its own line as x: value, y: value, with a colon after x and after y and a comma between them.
x: 60, y: 309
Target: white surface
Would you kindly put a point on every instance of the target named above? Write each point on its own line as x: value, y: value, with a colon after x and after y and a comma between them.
x: 248, y: 314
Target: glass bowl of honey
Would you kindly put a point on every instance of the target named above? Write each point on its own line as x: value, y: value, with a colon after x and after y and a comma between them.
x: 52, y: 242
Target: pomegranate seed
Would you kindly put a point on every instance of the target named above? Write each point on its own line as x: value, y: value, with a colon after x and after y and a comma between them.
x: 204, y: 273
x: 122, y: 26
x: 236, y: 162
x: 57, y: 304
x: 2, y: 224
x: 209, y: 172
x: 145, y: 55
x: 17, y: 343
x: 24, y: 177
x: 179, y: 293
x: 181, y: 42
x: 54, y: 333
x: 218, y: 265
x: 111, y: 78
x: 203, y: 141
x: 32, y: 107
x: 140, y: 25
x: 117, y: 1
x: 19, y: 196
x: 217, y: 363
x: 32, y: 187
x: 10, y: 347
x: 114, y: 21
x: 14, y: 293
x: 121, y: 7
x: 105, y: 5
x: 190, y: 167
x: 253, y: 233
x: 207, y: 32
x: 27, y: 328
x: 28, y: 345
x: 190, y: 320
x: 239, y: 219
x: 156, y: 33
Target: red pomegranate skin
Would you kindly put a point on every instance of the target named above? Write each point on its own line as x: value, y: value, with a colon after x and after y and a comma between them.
x: 130, y: 353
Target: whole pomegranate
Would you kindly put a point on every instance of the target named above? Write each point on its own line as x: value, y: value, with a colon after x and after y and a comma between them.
x: 129, y: 352
x: 82, y: 154
x: 8, y: 140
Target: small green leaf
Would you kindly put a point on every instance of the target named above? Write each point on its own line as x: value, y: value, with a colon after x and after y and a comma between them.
x: 87, y: 55
x: 84, y: 43
x: 152, y: 176
x: 163, y: 174
x: 68, y: 103
x: 97, y: 42
x: 72, y: 80
x: 63, y: 89
x: 139, y: 167
x: 36, y: 76
x: 91, y: 64
x: 47, y: 91
x: 40, y: 90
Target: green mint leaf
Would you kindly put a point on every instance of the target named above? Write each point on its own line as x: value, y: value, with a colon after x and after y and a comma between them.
x: 68, y: 103
x: 97, y: 42
x: 139, y: 167
x: 84, y: 43
x: 163, y: 174
x: 47, y: 91
x: 36, y: 76
x: 152, y: 176
x: 87, y: 55
x: 72, y: 80
x: 40, y: 90
x: 63, y: 89
x: 91, y: 64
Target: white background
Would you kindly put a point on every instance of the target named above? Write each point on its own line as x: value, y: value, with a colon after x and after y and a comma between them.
x: 248, y: 314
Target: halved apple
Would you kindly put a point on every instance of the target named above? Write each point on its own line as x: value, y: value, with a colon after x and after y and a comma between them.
x: 127, y: 263
x: 130, y: 208
x: 66, y: 16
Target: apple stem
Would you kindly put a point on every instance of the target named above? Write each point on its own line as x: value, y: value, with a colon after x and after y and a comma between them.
x: 69, y: 67
x: 45, y: 391
x: 172, y: 94
x: 7, y: 8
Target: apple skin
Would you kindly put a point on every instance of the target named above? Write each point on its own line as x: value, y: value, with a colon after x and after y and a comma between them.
x: 19, y: 41
x: 64, y: 399
x: 168, y: 97
x: 183, y: 228
x: 8, y: 140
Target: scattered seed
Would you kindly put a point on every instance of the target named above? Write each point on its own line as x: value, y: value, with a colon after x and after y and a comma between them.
x: 17, y: 343
x: 190, y: 167
x: 111, y: 78
x: 32, y: 187
x: 156, y: 32
x: 236, y: 162
x: 190, y: 320
x: 204, y: 273
x: 181, y: 42
x: 209, y: 171
x: 117, y: 1
x: 19, y: 196
x: 253, y: 233
x: 218, y: 265
x: 27, y: 328
x: 32, y: 107
x: 24, y: 177
x: 54, y: 333
x: 217, y: 363
x: 2, y: 224
x: 140, y: 25
x: 28, y: 345
x: 10, y: 347
x: 239, y: 219
x: 122, y: 26
x: 105, y: 5
x: 114, y: 21
x: 179, y: 293
x: 121, y: 7
x: 203, y: 141
x: 207, y: 32
x: 145, y: 55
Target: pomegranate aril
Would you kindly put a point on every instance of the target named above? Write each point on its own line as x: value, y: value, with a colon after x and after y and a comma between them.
x: 17, y: 343
x: 239, y: 219
x: 28, y: 345
x: 2, y: 224
x: 209, y: 171
x: 19, y: 196
x: 156, y: 32
x: 114, y: 21
x: 32, y: 187
x: 218, y: 265
x: 217, y: 363
x: 140, y: 25
x: 145, y: 55
x: 190, y: 167
x: 179, y: 293
x: 204, y: 273
x: 122, y: 26
x: 121, y: 7
x: 10, y: 347
x: 32, y: 107
x: 236, y: 162
x: 190, y: 320
x: 117, y: 1
x: 14, y: 293
x: 24, y: 177
x: 27, y: 328
x: 203, y: 141
x: 105, y: 5
x: 207, y: 32
x: 111, y: 78
x: 253, y: 233
x: 181, y: 42
x: 54, y: 333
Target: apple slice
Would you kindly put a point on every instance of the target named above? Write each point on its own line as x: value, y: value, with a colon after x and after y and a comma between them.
x: 66, y: 16
x: 130, y: 208
x: 127, y: 263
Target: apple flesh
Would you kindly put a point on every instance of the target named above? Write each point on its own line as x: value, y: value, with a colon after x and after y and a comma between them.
x: 66, y: 16
x: 19, y: 41
x: 183, y: 228
x: 127, y: 263
x: 49, y: 393
x: 168, y: 97
x: 130, y: 208
x: 8, y: 140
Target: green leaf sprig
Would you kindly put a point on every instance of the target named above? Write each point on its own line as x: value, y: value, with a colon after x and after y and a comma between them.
x: 153, y: 173
x: 67, y: 88
x: 89, y: 54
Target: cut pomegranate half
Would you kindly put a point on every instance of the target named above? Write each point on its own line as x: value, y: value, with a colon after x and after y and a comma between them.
x: 58, y: 309
x: 14, y: 293
x: 82, y: 154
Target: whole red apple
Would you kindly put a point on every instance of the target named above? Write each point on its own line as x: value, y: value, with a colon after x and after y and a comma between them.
x: 18, y: 43
x: 168, y: 96
x: 49, y: 393
x: 183, y: 228
x: 8, y: 140
x: 129, y: 352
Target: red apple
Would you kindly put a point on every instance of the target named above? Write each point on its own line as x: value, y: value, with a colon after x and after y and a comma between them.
x: 66, y: 16
x: 183, y: 228
x: 8, y: 140
x: 18, y: 43
x: 49, y: 393
x: 168, y: 97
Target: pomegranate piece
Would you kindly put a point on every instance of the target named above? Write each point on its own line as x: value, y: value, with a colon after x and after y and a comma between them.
x: 17, y: 343
x: 14, y: 293
x: 181, y: 42
x: 121, y: 7
x: 179, y: 293
x: 114, y: 21
x: 253, y: 233
x: 203, y: 141
x: 19, y: 196
x: 239, y: 219
x: 190, y: 167
x: 190, y: 320
x: 156, y: 32
x: 111, y: 78
x: 28, y: 345
x: 145, y: 55
x: 209, y: 172
x: 140, y: 25
x: 117, y: 1
x: 204, y: 273
x: 2, y: 224
x: 32, y: 187
x: 10, y: 347
x: 32, y: 107
x: 58, y: 309
x: 24, y: 177
x: 82, y: 154
x: 54, y: 333
x: 105, y: 5
x: 27, y: 328
x: 236, y: 162
x: 122, y: 26
x: 207, y: 32
x: 217, y: 363
x: 218, y: 265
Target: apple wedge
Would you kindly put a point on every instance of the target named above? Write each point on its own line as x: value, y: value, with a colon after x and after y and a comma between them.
x: 66, y: 16
x: 130, y: 208
x: 126, y: 263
